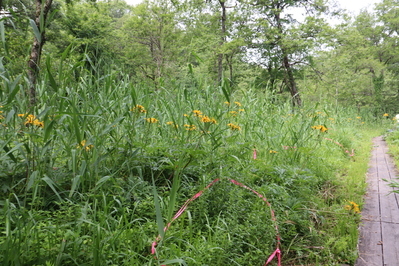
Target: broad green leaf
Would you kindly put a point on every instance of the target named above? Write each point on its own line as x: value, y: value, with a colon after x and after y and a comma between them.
x: 36, y: 31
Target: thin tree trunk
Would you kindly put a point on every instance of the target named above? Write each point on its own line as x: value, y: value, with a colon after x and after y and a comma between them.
x: 296, y: 98
x: 36, y: 50
x: 222, y: 40
x: 290, y: 79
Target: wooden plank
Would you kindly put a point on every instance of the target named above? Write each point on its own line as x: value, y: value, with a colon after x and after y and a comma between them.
x: 370, y: 248
x: 388, y: 201
x: 390, y: 248
x: 380, y: 216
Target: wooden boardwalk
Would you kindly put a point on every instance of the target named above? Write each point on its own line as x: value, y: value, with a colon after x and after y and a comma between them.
x: 379, y: 232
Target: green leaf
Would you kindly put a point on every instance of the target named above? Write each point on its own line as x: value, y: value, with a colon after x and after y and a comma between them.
x: 31, y: 180
x: 10, y: 151
x: 75, y: 184
x: 13, y: 89
x: 48, y: 128
x: 52, y: 185
x: 102, y: 181
x: 53, y: 84
x: 180, y: 261
x: 3, y: 37
x: 160, y: 223
x: 36, y: 30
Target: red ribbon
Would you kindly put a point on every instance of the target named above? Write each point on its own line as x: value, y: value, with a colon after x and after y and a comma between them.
x: 339, y: 144
x: 276, y: 253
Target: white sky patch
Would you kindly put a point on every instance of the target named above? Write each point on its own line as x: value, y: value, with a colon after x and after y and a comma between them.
x: 133, y: 2
x: 355, y: 6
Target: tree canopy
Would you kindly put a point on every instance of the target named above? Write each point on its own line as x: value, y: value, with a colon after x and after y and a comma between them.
x: 254, y: 43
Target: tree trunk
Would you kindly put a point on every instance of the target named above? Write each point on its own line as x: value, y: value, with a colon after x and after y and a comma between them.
x: 296, y: 98
x: 36, y: 50
x: 222, y: 40
x: 290, y: 79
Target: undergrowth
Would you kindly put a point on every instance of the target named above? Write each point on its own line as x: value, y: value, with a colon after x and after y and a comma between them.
x: 93, y: 174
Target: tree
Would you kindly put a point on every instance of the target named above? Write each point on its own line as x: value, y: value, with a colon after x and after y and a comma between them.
x: 39, y: 27
x: 282, y: 41
x: 150, y: 40
x: 356, y: 70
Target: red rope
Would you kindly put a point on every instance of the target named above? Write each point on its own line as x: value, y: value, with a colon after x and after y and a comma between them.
x: 276, y: 253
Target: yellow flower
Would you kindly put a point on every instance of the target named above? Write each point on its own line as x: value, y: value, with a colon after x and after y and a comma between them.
x: 320, y: 127
x: 83, y: 145
x: 197, y: 112
x: 171, y: 123
x: 227, y: 103
x: 139, y: 108
x: 273, y: 151
x: 352, y: 206
x: 241, y: 110
x: 205, y: 119
x: 151, y: 120
x: 233, y: 127
x: 38, y: 123
x: 186, y: 115
x: 385, y: 114
x: 32, y: 120
x: 233, y: 113
x: 358, y: 117
x: 237, y: 103
x: 190, y: 127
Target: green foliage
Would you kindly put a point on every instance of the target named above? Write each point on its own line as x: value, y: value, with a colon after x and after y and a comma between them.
x: 80, y: 174
x: 128, y: 128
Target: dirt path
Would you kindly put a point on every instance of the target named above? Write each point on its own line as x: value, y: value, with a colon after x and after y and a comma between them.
x: 379, y: 232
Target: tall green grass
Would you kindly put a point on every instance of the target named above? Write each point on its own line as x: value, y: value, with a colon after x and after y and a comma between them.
x: 97, y: 183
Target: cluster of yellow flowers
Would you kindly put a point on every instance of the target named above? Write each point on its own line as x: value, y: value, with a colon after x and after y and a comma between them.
x: 235, y: 113
x: 233, y: 126
x: 352, y: 206
x: 139, y: 109
x: 82, y: 144
x: 207, y: 119
x: 171, y: 123
x: 197, y: 113
x: 203, y: 118
x: 32, y: 120
x: 236, y: 103
x: 152, y: 120
x: 190, y: 127
x: 320, y: 127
